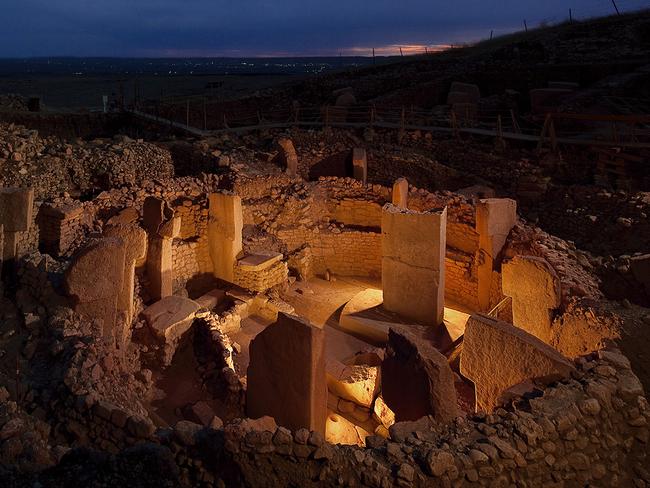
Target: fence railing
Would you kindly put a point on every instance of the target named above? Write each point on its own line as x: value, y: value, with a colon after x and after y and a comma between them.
x: 552, y: 129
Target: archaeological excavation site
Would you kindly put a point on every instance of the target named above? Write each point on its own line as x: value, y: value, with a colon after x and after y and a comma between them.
x: 433, y: 271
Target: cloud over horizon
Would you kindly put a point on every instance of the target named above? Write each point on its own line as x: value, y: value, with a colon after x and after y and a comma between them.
x: 126, y: 28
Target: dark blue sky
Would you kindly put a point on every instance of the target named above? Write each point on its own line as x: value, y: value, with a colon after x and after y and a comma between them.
x: 264, y: 27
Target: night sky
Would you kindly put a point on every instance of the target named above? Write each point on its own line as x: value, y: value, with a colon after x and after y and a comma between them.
x: 152, y: 28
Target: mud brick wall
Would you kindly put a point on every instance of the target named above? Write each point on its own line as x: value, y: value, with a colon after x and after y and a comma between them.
x: 358, y: 212
x: 60, y: 228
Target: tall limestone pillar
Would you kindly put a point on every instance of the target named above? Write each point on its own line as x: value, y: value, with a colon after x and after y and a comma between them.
x: 413, y: 263
x: 16, y: 208
x: 400, y: 193
x: 495, y: 218
x: 225, y: 226
x: 162, y: 226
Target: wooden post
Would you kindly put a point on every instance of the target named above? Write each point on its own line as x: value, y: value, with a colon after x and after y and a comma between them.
x: 327, y: 115
x: 187, y: 114
x: 400, y: 52
x: 454, y: 125
x: 525, y: 26
x: 491, y: 34
x: 547, y: 122
x: 616, y: 7
x: 551, y: 131
x: 426, y: 51
x: 402, y: 123
x: 225, y: 122
x: 570, y: 16
x: 499, y: 129
x: 373, y: 55
x: 515, y: 124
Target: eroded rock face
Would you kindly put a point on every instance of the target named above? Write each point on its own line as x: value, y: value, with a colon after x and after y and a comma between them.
x: 287, y: 156
x: 535, y: 290
x: 417, y: 380
x: 286, y: 374
x: 497, y: 356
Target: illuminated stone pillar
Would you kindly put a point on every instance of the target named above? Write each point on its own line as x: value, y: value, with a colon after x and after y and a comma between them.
x: 401, y: 193
x: 225, y: 234
x: 162, y: 227
x: 495, y: 218
x: 413, y: 263
x: 359, y: 164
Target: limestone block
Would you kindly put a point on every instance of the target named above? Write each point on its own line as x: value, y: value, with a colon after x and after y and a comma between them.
x: 417, y: 380
x: 94, y: 281
x: 339, y: 430
x: 135, y: 248
x: 413, y: 263
x: 472, y: 91
x: 495, y: 218
x: 225, y: 234
x: 359, y: 164
x: 497, y: 356
x: 401, y: 193
x: 357, y: 383
x: 382, y: 413
x: 286, y: 374
x: 535, y: 290
x: 16, y: 207
x: 171, y: 317
x: 287, y: 157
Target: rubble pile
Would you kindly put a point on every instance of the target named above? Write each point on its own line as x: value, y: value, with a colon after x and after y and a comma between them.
x: 53, y: 167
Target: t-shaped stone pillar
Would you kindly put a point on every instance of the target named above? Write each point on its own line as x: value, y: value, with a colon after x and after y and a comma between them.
x: 401, y: 193
x: 135, y: 242
x: 413, y: 263
x: 94, y: 282
x: 161, y: 225
x: 225, y: 226
x: 359, y: 164
x: 495, y: 218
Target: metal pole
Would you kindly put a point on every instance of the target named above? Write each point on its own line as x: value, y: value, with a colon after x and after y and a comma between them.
x: 616, y: 7
x: 187, y: 114
x: 525, y: 26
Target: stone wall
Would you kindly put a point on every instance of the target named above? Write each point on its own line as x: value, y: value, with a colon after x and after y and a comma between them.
x: 587, y: 431
x: 344, y: 252
x: 264, y: 279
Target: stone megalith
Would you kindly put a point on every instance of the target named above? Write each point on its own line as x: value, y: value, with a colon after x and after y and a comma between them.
x: 416, y: 379
x: 94, y: 282
x: 135, y: 249
x: 534, y: 287
x: 495, y: 218
x: 225, y: 227
x: 287, y: 157
x: 169, y: 318
x: 359, y: 164
x: 497, y: 356
x: 286, y: 374
x: 16, y: 208
x: 413, y: 263
x: 400, y: 193
x: 162, y: 226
